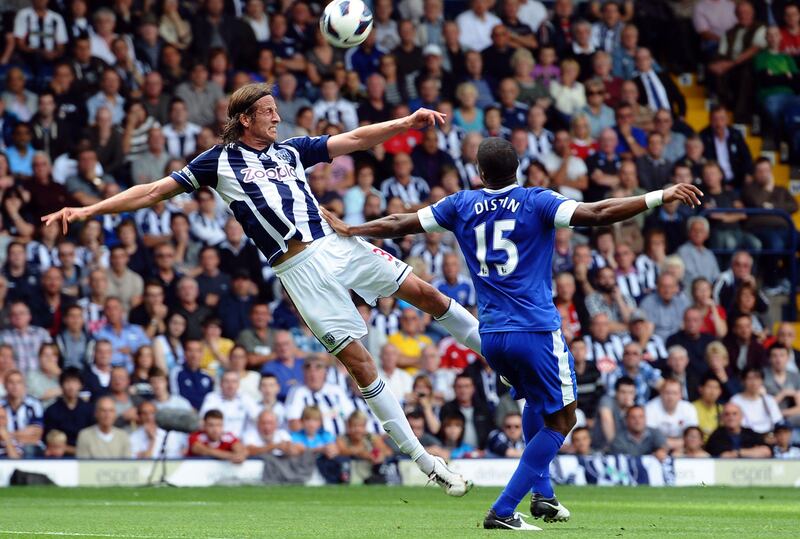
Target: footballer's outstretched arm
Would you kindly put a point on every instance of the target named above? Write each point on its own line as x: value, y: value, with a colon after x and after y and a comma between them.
x: 392, y: 226
x: 613, y: 210
x: 135, y: 198
x: 368, y: 136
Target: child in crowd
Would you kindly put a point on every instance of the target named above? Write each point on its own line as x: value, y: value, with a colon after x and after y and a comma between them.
x: 452, y: 434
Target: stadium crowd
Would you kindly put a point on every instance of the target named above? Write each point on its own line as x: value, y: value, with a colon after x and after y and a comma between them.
x: 675, y: 347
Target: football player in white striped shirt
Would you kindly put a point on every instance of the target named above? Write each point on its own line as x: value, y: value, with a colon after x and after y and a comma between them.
x: 264, y: 184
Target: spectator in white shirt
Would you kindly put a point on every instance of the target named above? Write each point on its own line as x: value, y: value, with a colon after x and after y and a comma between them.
x: 255, y: 16
x: 237, y: 408
x: 398, y: 380
x: 147, y: 440
x: 475, y: 26
x: 207, y: 224
x: 569, y: 95
x: 269, y: 438
x: 568, y: 173
x: 270, y: 388
x: 102, y: 35
x: 384, y: 27
x: 670, y: 414
x: 760, y: 411
x: 532, y: 12
x: 333, y: 109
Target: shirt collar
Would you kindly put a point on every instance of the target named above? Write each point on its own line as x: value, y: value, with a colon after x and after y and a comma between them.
x: 242, y: 145
x: 505, y: 189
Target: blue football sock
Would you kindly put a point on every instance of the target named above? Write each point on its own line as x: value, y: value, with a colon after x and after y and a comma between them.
x: 532, y: 423
x: 532, y: 473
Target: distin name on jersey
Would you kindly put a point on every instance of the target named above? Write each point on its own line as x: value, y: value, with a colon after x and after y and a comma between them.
x: 278, y: 172
x: 504, y: 203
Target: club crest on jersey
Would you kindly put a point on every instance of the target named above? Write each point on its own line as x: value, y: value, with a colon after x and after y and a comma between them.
x: 285, y: 155
x: 329, y: 339
x: 279, y: 172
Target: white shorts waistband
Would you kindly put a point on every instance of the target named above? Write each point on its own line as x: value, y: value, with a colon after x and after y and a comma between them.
x: 301, y: 257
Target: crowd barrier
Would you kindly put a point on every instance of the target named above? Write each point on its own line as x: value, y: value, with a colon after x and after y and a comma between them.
x: 601, y: 470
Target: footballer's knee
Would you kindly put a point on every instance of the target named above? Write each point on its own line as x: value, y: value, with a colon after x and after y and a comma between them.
x: 359, y: 363
x: 423, y: 296
x: 563, y: 420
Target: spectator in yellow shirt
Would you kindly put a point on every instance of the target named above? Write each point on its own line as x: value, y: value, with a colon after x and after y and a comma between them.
x: 216, y: 348
x: 410, y: 340
x: 708, y: 408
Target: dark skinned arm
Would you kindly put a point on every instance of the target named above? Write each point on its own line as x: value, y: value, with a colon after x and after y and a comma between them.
x: 602, y: 213
x: 614, y: 210
x: 392, y: 226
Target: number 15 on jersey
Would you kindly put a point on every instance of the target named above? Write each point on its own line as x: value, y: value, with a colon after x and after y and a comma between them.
x: 499, y: 243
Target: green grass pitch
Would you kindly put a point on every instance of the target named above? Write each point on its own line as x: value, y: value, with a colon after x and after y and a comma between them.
x: 356, y: 512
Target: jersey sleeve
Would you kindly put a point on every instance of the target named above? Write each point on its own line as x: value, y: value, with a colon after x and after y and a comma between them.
x: 439, y: 217
x: 554, y: 209
x: 201, y: 172
x: 312, y: 150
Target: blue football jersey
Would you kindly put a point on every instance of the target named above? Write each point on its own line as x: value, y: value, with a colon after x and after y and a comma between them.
x: 507, y: 237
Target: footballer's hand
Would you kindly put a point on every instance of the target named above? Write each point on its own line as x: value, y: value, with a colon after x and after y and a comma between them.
x: 66, y: 216
x: 683, y: 192
x: 338, y: 226
x: 426, y: 118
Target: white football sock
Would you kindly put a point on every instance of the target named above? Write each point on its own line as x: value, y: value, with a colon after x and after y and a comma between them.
x: 462, y: 325
x: 388, y: 411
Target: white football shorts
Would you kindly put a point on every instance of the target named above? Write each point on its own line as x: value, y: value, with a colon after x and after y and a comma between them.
x: 320, y: 278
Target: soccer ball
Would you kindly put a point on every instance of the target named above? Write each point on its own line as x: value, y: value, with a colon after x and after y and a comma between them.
x: 346, y: 23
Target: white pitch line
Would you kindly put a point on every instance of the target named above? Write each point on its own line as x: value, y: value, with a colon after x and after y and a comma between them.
x: 73, y: 503
x: 78, y: 534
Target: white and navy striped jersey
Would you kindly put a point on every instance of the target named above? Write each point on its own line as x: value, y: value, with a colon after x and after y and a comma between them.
x: 598, y: 261
x: 654, y: 351
x: 331, y: 400
x: 30, y: 412
x: 630, y: 284
x: 468, y: 174
x: 151, y: 223
x: 385, y: 323
x: 266, y: 190
x: 611, y: 348
x: 433, y: 261
x: 541, y: 144
x: 450, y: 142
x: 648, y: 271
x: 181, y: 143
x: 44, y: 33
x: 40, y: 256
x: 416, y: 192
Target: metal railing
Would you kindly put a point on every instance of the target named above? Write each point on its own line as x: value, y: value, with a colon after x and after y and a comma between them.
x: 790, y: 252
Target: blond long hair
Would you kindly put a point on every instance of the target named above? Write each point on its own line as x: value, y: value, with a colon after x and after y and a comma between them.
x: 241, y: 104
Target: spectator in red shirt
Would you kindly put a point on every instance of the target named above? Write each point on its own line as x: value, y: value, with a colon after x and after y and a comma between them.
x: 403, y: 142
x: 790, y: 33
x: 214, y: 442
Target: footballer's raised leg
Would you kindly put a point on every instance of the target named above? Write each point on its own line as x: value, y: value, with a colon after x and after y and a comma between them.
x: 449, y: 313
x: 387, y: 409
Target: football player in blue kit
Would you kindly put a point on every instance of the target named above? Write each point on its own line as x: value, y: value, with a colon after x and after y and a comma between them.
x: 507, y: 234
